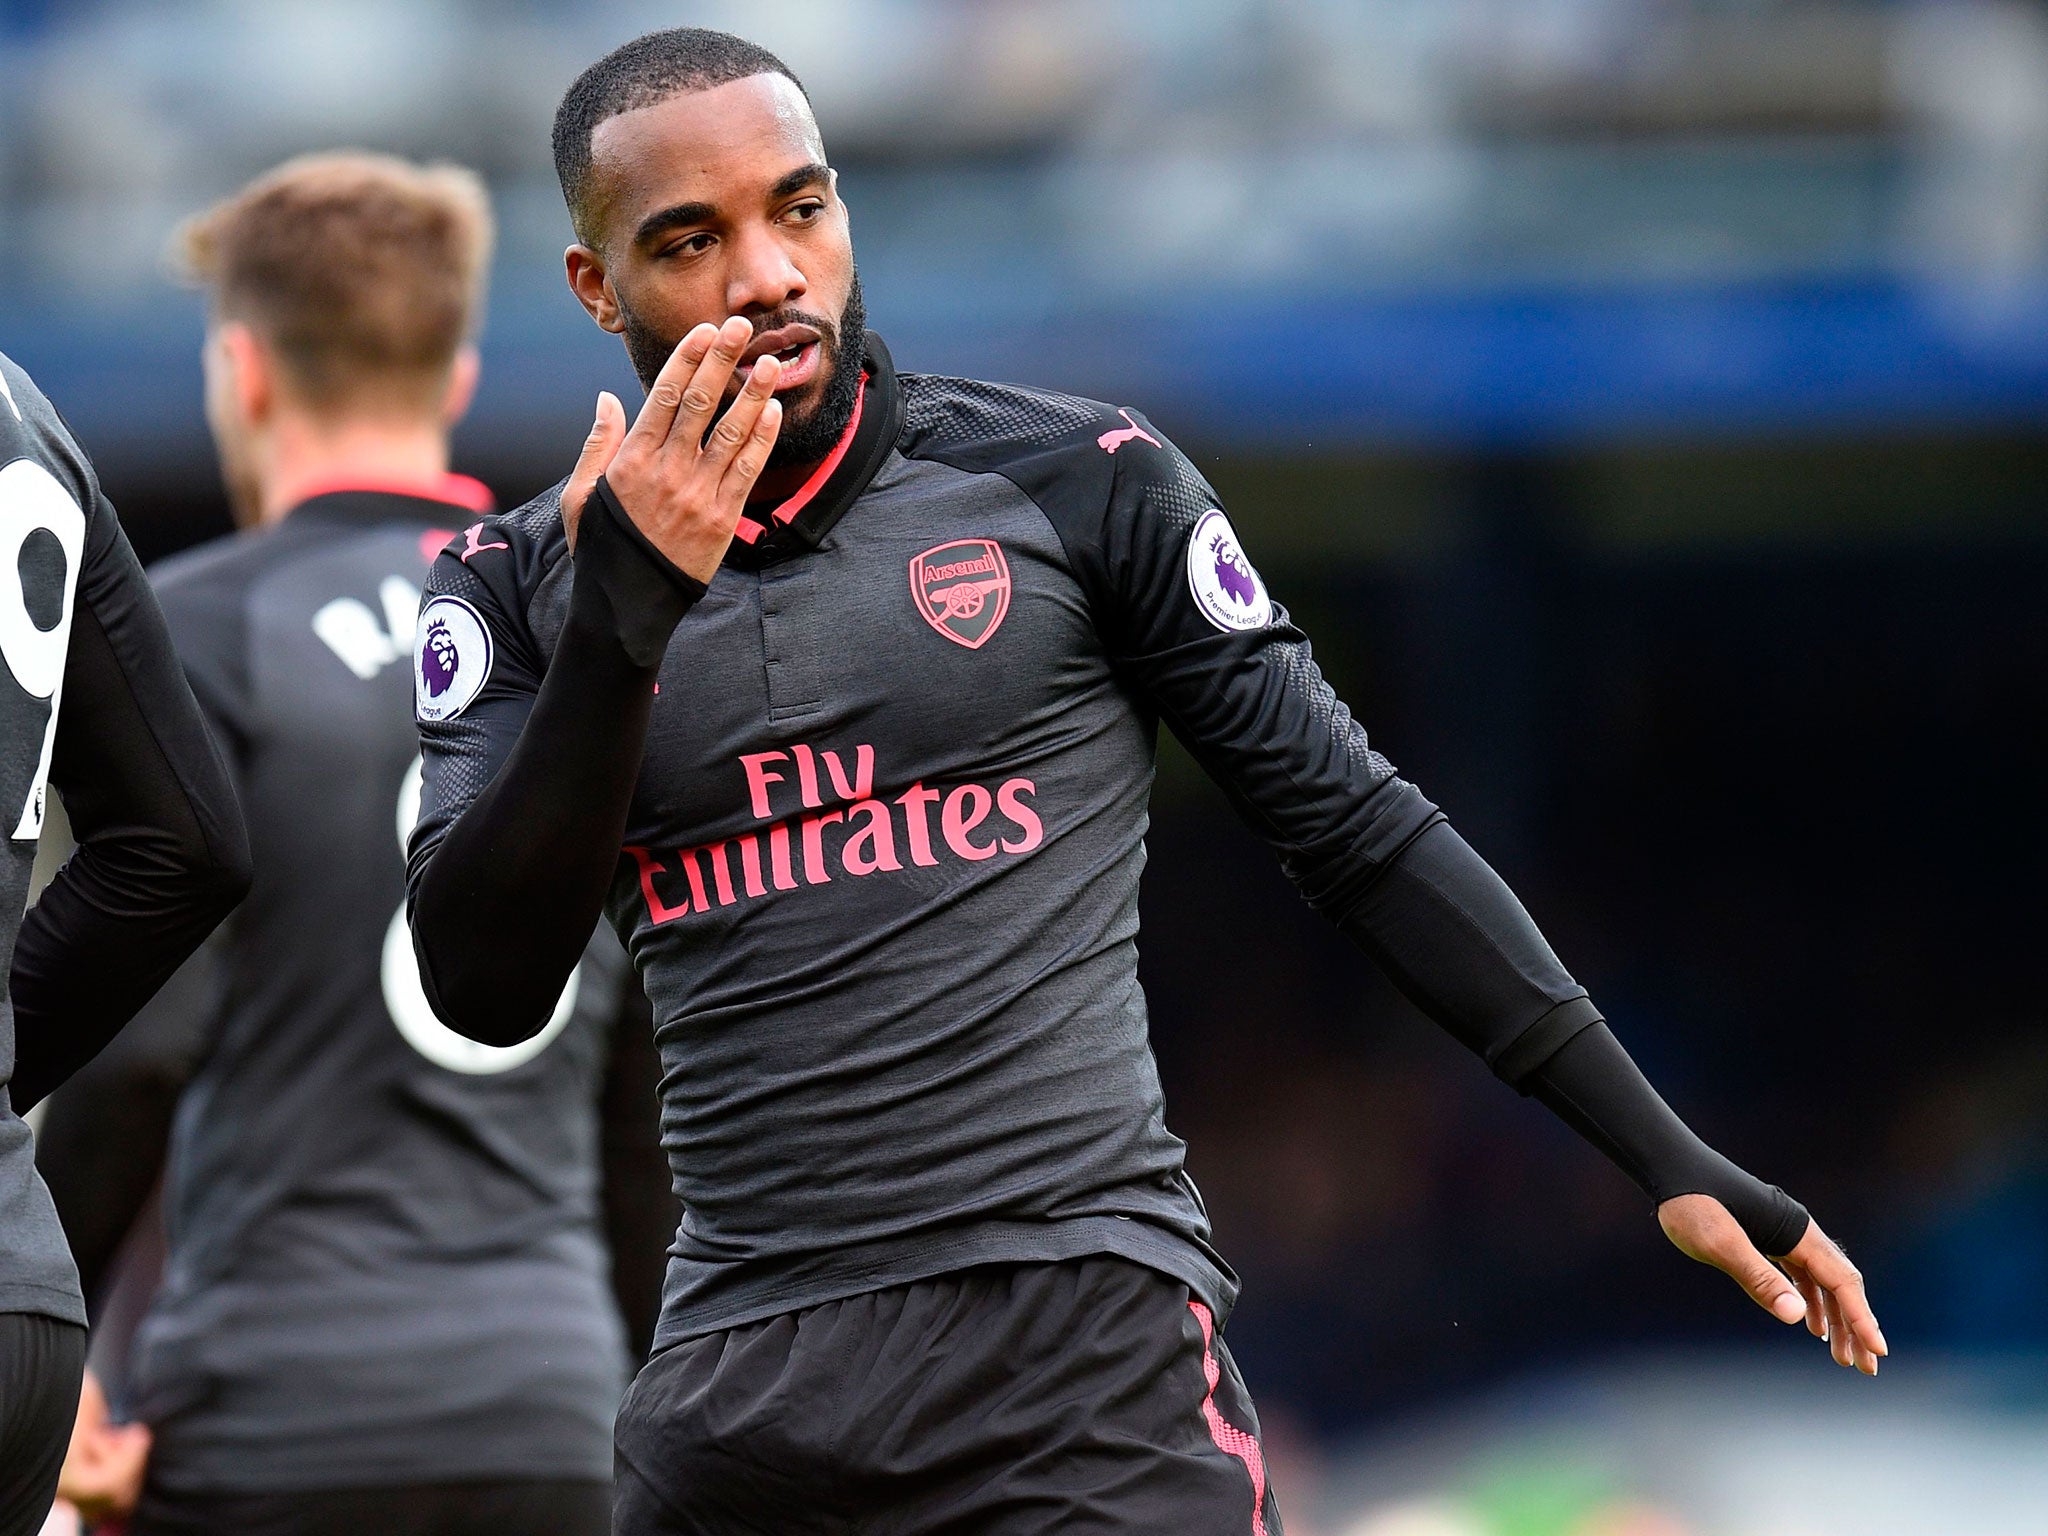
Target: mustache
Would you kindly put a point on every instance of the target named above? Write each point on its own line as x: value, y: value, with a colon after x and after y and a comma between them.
x: 790, y: 316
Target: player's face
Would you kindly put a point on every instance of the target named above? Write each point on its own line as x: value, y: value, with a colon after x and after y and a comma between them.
x: 717, y: 203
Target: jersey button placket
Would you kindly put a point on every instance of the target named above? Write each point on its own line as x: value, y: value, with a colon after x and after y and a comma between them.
x: 789, y: 641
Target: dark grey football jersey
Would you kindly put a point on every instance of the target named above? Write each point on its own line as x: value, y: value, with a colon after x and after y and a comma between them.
x: 881, y: 868
x: 90, y: 700
x: 386, y: 1262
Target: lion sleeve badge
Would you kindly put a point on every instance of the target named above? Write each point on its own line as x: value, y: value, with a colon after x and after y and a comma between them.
x: 451, y: 659
x: 1225, y: 586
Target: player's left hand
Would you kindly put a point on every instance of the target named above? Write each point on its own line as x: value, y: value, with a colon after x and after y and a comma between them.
x: 1824, y: 1290
x: 103, y: 1467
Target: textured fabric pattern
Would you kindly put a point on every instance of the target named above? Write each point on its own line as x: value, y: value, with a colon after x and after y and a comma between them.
x: 942, y: 411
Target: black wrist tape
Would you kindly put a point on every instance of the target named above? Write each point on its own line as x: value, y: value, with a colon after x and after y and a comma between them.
x: 624, y: 585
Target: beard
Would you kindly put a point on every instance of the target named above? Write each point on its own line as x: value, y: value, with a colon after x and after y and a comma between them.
x: 809, y: 432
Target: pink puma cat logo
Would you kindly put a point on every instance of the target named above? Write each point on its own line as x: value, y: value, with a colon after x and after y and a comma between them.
x: 1110, y: 441
x: 474, y: 534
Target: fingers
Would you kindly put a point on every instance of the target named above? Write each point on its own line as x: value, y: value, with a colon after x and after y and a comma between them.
x: 1816, y: 1316
x: 1767, y: 1285
x: 752, y: 458
x: 685, y: 395
x: 607, y: 432
x: 1858, y: 1340
x: 1838, y: 1332
x: 657, y: 418
x: 737, y: 424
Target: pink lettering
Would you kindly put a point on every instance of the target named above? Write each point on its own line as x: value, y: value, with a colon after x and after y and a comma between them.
x: 807, y: 775
x: 721, y: 874
x: 958, y: 822
x: 759, y: 778
x: 915, y: 800
x: 750, y: 865
x: 814, y: 846
x: 873, y: 845
x: 1010, y: 798
x: 863, y: 783
x: 778, y: 856
x: 689, y: 858
x: 978, y: 567
x: 657, y: 909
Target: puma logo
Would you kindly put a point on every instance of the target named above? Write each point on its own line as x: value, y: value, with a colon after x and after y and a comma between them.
x: 474, y: 544
x: 1112, y: 440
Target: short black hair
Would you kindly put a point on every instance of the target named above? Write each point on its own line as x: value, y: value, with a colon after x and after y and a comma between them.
x: 638, y: 74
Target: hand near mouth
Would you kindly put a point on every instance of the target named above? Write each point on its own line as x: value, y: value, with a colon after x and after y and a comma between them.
x: 683, y: 481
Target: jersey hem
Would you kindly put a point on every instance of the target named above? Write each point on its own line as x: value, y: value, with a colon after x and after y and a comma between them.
x: 773, y: 1292
x: 63, y: 1303
x: 200, y: 1480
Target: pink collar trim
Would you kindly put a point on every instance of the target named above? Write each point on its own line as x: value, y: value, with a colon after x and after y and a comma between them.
x: 457, y: 490
x: 751, y: 528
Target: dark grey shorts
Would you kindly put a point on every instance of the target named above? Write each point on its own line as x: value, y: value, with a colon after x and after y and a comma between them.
x: 1090, y: 1395
x: 496, y: 1507
x: 42, y: 1365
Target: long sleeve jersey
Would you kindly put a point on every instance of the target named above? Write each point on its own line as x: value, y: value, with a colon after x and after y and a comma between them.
x: 387, y: 1258
x: 880, y: 863
x: 92, y: 702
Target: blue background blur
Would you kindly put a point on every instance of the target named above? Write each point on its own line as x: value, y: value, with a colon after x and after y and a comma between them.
x: 1645, y: 405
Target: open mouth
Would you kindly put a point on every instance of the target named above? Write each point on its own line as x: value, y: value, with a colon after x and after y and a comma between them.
x: 798, y: 352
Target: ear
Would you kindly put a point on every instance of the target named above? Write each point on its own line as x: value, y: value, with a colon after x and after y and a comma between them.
x: 593, y: 287
x: 251, y: 376
x: 462, y: 379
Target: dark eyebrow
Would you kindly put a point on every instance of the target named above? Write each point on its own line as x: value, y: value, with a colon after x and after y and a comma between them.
x: 679, y: 216
x: 687, y: 215
x: 803, y: 176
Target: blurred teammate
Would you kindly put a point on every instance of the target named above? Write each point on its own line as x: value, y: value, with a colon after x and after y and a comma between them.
x: 94, y: 704
x: 386, y: 1305
x: 863, y: 676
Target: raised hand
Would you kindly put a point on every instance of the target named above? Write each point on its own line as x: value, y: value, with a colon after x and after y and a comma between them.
x: 685, y: 489
x: 1824, y: 1290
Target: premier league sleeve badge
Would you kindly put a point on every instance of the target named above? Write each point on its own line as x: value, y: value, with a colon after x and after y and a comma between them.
x: 451, y: 659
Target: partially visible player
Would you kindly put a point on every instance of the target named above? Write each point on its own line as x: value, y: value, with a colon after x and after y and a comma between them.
x: 387, y: 1305
x: 93, y: 703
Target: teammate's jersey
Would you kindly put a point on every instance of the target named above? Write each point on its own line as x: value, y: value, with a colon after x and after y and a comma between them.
x: 385, y: 1257
x: 884, y: 853
x: 91, y: 701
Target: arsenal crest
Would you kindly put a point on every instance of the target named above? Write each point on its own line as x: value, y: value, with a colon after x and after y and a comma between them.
x: 962, y: 589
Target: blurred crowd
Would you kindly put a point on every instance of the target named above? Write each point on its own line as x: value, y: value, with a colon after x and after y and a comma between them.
x: 1337, y: 142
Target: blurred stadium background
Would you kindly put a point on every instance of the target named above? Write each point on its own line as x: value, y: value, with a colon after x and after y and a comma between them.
x: 1645, y: 403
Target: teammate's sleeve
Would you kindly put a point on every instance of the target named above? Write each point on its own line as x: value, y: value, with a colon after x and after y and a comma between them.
x: 1190, y: 622
x: 641, y: 1212
x: 529, y: 763
x: 162, y: 853
x: 106, y: 1133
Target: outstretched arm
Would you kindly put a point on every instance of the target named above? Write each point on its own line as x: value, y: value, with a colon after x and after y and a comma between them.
x: 1188, y: 618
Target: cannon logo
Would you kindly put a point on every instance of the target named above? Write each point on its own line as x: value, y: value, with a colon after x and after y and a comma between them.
x: 962, y: 589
